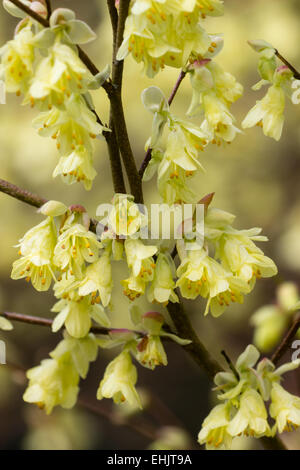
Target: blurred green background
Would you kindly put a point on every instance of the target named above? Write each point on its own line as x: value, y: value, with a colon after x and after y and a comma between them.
x: 255, y: 178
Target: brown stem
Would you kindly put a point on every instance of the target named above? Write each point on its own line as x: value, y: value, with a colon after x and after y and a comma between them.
x: 115, y: 160
x: 176, y: 87
x: 196, y: 349
x: 117, y: 110
x: 114, y: 152
x: 287, y: 341
x: 41, y: 321
x: 21, y: 194
x: 147, y: 157
x: 230, y: 363
x: 32, y: 199
x: 49, y: 8
x: 290, y: 66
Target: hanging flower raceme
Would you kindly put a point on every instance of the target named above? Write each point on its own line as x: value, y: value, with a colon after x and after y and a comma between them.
x: 145, y: 345
x: 74, y: 130
x: 232, y: 269
x: 268, y: 113
x: 160, y: 33
x: 57, y: 83
x: 214, y: 90
x: 180, y: 161
x: 55, y: 381
x: 244, y: 393
x: 119, y: 381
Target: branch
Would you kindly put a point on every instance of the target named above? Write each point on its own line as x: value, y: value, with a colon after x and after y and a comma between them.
x: 196, y: 349
x: 115, y: 96
x: 21, y: 194
x: 147, y: 157
x: 41, y: 321
x: 290, y: 66
x: 32, y: 199
x: 114, y: 152
x: 287, y: 341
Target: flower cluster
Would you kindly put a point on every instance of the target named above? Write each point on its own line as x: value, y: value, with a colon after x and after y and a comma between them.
x: 268, y: 112
x: 125, y: 226
x: 243, y: 395
x: 46, y: 68
x: 162, y: 33
x: 232, y: 270
x: 63, y: 250
x: 177, y: 161
x: 271, y: 321
x: 120, y: 376
x: 55, y: 381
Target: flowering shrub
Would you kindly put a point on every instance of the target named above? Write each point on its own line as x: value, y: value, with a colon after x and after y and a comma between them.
x: 45, y: 64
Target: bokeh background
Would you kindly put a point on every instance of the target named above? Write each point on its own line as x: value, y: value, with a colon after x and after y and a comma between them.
x: 255, y: 178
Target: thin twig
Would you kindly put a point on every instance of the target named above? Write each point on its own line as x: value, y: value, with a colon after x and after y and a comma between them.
x: 148, y: 154
x: 21, y: 194
x: 230, y: 363
x: 49, y: 8
x: 176, y: 87
x: 287, y: 341
x: 290, y: 66
x: 32, y: 199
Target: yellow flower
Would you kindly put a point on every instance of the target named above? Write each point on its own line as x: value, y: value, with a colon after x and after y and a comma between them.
x: 98, y: 278
x: 151, y: 353
x: 214, y: 428
x: 76, y: 313
x: 251, y: 418
x: 268, y: 113
x: 52, y: 383
x: 17, y: 58
x: 76, y: 167
x: 160, y: 33
x: 163, y: 284
x: 57, y: 76
x: 125, y: 218
x: 36, y: 263
x: 74, y: 246
x: 285, y: 409
x: 119, y: 381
